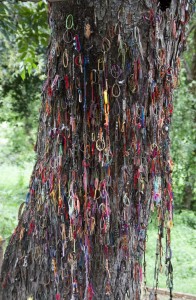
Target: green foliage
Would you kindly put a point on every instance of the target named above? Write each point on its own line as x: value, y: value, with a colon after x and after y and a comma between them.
x: 183, y: 133
x: 24, y: 26
x: 13, y: 189
x: 19, y: 103
x: 16, y: 145
x: 188, y: 218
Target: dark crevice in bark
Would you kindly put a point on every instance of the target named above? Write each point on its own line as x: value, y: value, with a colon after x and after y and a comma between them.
x: 164, y: 4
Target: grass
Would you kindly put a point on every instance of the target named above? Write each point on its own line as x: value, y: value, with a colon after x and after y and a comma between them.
x: 13, y: 189
x: 14, y: 186
x: 183, y: 241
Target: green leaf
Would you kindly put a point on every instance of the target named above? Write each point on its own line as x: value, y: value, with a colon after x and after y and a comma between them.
x: 23, y: 74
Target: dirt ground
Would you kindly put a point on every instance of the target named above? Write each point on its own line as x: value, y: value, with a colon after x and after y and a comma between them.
x: 164, y: 295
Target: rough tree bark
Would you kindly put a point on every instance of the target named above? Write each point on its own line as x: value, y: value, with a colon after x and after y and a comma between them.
x: 102, y: 152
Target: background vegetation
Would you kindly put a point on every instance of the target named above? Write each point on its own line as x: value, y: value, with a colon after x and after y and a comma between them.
x: 24, y: 36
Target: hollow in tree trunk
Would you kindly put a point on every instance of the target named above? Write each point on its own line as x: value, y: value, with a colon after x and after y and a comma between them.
x: 103, y: 160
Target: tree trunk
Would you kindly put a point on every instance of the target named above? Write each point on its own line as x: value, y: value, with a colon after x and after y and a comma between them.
x: 102, y: 152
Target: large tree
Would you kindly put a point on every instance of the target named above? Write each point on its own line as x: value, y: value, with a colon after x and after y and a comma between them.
x: 103, y: 159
